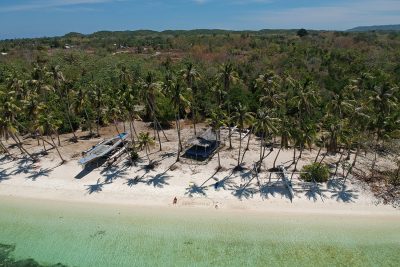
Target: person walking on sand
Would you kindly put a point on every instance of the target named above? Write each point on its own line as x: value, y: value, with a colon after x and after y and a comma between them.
x: 175, y: 201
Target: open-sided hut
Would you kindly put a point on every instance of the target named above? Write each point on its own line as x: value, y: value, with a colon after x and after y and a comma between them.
x: 202, y: 146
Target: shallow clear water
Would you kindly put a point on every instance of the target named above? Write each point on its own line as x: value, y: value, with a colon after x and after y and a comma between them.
x: 101, y: 235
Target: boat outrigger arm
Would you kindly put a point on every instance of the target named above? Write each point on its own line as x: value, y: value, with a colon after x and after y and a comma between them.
x: 103, y: 149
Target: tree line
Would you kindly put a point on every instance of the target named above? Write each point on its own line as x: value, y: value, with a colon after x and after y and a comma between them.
x: 304, y: 92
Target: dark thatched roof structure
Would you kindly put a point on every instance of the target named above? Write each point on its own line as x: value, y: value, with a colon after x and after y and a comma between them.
x: 202, y: 146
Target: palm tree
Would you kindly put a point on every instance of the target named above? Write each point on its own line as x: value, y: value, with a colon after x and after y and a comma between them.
x: 97, y: 94
x: 48, y: 124
x: 359, y: 133
x: 241, y: 117
x: 382, y: 99
x: 145, y: 141
x: 250, y: 123
x: 190, y: 75
x: 265, y: 124
x: 227, y: 76
x: 81, y: 104
x: 305, y: 99
x: 62, y: 88
x: 345, y: 139
x: 9, y: 109
x: 270, y: 83
x: 216, y: 122
x: 178, y: 100
x: 129, y: 96
x: 150, y: 88
x: 285, y: 133
x: 3, y: 133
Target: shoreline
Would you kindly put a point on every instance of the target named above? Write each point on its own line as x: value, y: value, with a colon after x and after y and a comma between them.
x: 192, y: 183
x: 382, y: 211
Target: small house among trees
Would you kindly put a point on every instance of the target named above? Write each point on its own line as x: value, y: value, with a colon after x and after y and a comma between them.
x: 202, y: 146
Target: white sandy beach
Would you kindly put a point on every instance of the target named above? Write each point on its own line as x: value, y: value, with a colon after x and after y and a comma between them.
x: 191, y: 182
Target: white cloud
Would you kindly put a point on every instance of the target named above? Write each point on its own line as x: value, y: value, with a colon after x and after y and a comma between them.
x: 32, y: 5
x: 330, y: 16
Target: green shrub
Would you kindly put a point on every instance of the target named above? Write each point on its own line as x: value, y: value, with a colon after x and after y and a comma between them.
x: 134, y: 155
x: 316, y: 171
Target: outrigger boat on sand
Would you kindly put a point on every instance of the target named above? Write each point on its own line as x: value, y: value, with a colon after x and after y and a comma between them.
x: 103, y: 149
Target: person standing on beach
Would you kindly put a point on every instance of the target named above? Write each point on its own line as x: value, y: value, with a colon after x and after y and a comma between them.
x: 175, y: 201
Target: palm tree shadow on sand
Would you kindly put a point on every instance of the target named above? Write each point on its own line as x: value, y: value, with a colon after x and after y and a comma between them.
x: 34, y: 175
x: 246, y: 176
x: 138, y: 179
x: 90, y: 167
x: 40, y: 173
x: 95, y: 188
x: 112, y: 173
x: 244, y: 191
x: 159, y: 180
x: 225, y: 184
x: 194, y: 189
x: 23, y: 166
x: 134, y: 181
x: 335, y: 183
x: 5, y: 159
x: 345, y: 195
x: 4, y: 175
x: 272, y: 189
x: 312, y: 192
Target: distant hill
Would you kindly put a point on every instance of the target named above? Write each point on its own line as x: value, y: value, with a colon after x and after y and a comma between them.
x: 376, y: 28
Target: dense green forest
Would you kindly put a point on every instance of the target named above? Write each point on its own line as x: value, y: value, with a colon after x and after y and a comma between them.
x: 336, y: 90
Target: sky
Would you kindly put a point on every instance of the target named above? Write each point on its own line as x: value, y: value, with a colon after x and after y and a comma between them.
x: 38, y: 18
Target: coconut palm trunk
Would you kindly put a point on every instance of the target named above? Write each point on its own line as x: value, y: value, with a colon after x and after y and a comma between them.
x: 240, y: 145
x: 133, y: 124
x: 98, y: 123
x: 58, y: 139
x: 89, y: 122
x: 319, y: 152
x: 68, y: 115
x: 20, y: 146
x: 247, y: 145
x: 218, y: 142
x: 58, y: 151
x: 44, y: 146
x: 338, y: 163
x: 158, y: 133
x: 261, y: 151
x: 4, y: 148
x: 375, y: 158
x: 147, y: 149
x: 178, y: 129
x: 353, y: 164
x: 130, y: 130
x: 277, y: 155
x: 297, y: 162
x: 323, y: 157
x: 294, y: 153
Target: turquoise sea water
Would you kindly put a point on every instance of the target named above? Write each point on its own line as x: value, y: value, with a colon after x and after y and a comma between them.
x: 105, y: 235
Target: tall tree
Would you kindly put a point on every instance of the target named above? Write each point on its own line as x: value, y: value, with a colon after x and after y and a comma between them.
x: 216, y: 122
x: 227, y: 76
x: 241, y: 117
x: 265, y: 125
x: 176, y: 91
x: 62, y: 88
x: 190, y: 75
